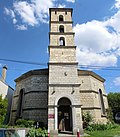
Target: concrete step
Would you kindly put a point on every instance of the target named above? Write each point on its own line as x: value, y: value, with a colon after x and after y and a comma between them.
x: 66, y: 135
x: 70, y: 135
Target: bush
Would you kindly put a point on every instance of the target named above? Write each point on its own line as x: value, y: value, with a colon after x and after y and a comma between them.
x: 112, y: 125
x: 110, y: 115
x: 87, y: 118
x: 93, y: 127
x: 3, y: 126
x: 24, y: 123
x: 3, y: 109
x: 37, y: 132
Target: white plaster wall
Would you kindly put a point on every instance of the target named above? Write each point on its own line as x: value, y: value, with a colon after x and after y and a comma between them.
x: 6, y: 92
x: 3, y: 89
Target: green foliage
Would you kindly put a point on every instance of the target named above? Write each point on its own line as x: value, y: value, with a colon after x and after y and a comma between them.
x: 114, y: 101
x: 114, y: 132
x: 3, y: 109
x: 37, y: 132
x: 24, y: 123
x: 87, y: 118
x: 110, y: 115
x: 4, y: 126
x: 31, y: 132
x: 94, y: 127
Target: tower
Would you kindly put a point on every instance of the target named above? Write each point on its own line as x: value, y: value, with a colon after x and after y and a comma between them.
x: 63, y: 95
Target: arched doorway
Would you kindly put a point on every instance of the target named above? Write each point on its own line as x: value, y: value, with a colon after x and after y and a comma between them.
x: 64, y: 115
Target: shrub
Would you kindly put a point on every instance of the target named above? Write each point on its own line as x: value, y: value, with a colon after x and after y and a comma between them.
x: 93, y: 127
x: 3, y: 109
x: 24, y: 123
x: 3, y: 126
x: 87, y: 118
x: 31, y: 132
x: 110, y: 115
x: 112, y: 125
x: 37, y: 132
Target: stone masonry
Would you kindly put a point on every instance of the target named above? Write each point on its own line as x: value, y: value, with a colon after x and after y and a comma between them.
x: 60, y: 93
x: 34, y: 101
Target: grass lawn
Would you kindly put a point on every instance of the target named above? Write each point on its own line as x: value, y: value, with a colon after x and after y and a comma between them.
x: 105, y: 133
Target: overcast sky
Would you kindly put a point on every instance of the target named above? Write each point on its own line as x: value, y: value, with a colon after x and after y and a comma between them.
x: 24, y: 27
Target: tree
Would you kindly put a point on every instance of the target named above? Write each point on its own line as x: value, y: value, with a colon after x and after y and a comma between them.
x: 3, y: 109
x: 114, y: 102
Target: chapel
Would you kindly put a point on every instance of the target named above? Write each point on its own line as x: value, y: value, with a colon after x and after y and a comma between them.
x: 60, y: 93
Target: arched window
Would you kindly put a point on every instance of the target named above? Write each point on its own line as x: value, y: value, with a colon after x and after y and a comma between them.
x: 62, y: 41
x: 101, y: 102
x: 20, y: 103
x: 61, y: 29
x: 61, y: 18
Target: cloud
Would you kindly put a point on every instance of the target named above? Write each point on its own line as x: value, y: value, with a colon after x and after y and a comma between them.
x: 11, y: 14
x: 117, y: 4
x: 98, y: 42
x: 26, y: 12
x: 93, y: 36
x: 114, y: 22
x: 41, y: 8
x: 21, y: 27
x: 61, y: 6
x: 92, y: 58
x: 117, y: 81
x: 32, y: 12
x: 73, y: 1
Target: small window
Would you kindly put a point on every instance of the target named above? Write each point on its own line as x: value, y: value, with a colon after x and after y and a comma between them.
x: 55, y: 12
x: 66, y: 13
x: 61, y: 18
x: 61, y: 29
x: 62, y: 41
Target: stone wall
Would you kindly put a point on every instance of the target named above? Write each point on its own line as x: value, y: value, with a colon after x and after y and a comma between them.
x: 90, y: 99
x: 55, y: 28
x: 35, y: 98
x: 36, y: 94
x: 54, y: 39
x: 63, y: 74
x: 62, y: 54
x: 55, y: 16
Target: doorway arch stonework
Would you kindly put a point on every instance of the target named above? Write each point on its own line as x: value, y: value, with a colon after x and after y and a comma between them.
x: 64, y: 116
x: 76, y: 112
x: 56, y: 108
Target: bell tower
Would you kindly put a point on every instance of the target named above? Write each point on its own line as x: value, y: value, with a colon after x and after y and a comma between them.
x: 62, y: 48
x: 63, y: 74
